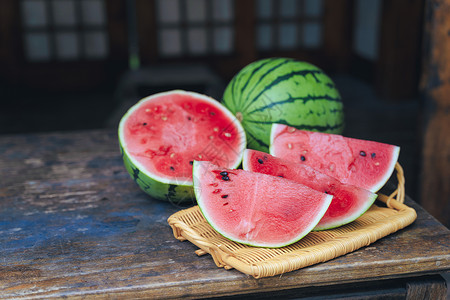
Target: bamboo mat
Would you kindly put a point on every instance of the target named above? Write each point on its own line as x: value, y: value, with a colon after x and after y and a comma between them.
x: 318, y: 246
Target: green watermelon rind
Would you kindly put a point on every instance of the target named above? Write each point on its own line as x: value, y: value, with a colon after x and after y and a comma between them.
x: 349, y: 219
x: 388, y: 175
x: 375, y: 188
x: 278, y: 85
x: 196, y: 174
x: 176, y: 191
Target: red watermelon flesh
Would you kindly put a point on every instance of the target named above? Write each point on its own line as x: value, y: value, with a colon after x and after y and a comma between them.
x: 366, y: 164
x: 254, y: 208
x: 166, y: 132
x: 349, y: 202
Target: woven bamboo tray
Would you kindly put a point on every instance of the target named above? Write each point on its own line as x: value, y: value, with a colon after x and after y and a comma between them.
x: 317, y: 246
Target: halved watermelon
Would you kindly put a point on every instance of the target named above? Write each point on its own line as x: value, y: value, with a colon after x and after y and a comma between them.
x: 162, y: 135
x: 349, y: 202
x: 366, y: 164
x: 254, y: 208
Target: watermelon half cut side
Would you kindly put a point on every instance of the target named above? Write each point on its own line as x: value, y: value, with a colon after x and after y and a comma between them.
x: 257, y: 209
x: 349, y: 202
x: 366, y: 164
x: 162, y: 135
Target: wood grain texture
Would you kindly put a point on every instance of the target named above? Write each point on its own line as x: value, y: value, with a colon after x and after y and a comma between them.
x: 397, y: 70
x: 73, y: 223
x: 432, y: 288
x: 435, y: 177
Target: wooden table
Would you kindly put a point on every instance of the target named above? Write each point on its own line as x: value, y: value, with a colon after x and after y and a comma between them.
x: 73, y: 223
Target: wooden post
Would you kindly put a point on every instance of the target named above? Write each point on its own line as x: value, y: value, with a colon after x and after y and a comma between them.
x: 146, y: 30
x: 397, y: 70
x: 435, y: 175
x: 338, y: 22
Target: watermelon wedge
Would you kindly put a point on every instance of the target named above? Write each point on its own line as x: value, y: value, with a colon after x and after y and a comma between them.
x: 349, y: 202
x: 257, y: 209
x: 162, y: 135
x: 366, y: 164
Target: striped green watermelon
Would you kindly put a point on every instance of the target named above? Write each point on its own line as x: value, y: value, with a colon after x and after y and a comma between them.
x: 162, y: 135
x: 283, y: 91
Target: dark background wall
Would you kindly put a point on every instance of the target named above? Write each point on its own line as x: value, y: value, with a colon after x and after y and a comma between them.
x: 79, y: 64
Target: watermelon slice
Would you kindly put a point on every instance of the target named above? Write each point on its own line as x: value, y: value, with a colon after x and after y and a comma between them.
x: 366, y: 164
x: 349, y: 202
x: 162, y: 135
x: 254, y: 208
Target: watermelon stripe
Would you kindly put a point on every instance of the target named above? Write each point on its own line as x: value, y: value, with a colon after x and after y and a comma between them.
x: 233, y: 85
x: 253, y: 73
x: 301, y: 126
x: 283, y: 78
x: 251, y: 137
x: 261, y: 79
x: 294, y: 99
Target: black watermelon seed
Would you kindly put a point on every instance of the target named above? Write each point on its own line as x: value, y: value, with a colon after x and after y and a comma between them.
x: 224, y: 173
x: 172, y: 168
x: 326, y: 192
x: 362, y: 153
x: 226, y: 178
x: 302, y: 158
x: 189, y: 118
x: 212, y: 113
x: 260, y: 161
x: 144, y: 124
x: 224, y: 196
x: 373, y: 155
x: 191, y: 162
x: 281, y: 176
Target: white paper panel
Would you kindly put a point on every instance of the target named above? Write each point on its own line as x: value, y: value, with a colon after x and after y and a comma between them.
x: 223, y: 40
x: 170, y: 42
x: 196, y: 10
x: 93, y: 12
x: 312, y: 35
x: 264, y: 36
x: 264, y: 8
x: 288, y: 35
x: 64, y: 12
x: 197, y: 42
x: 34, y: 13
x: 37, y: 46
x: 67, y: 45
x: 288, y: 8
x: 96, y: 44
x: 223, y: 10
x: 313, y: 8
x: 168, y: 11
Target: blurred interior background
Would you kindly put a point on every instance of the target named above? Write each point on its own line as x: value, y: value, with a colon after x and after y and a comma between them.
x: 79, y: 64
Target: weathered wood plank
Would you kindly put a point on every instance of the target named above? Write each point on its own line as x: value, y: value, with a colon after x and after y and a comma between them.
x: 435, y: 175
x: 73, y: 223
x: 431, y: 288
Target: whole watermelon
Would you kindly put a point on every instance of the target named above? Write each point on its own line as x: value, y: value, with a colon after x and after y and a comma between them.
x: 283, y: 91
